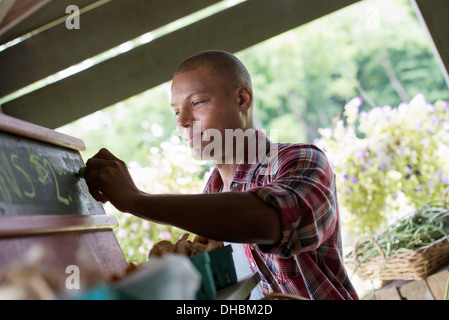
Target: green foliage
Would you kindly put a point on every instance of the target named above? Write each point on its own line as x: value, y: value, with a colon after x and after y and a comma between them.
x: 397, y: 162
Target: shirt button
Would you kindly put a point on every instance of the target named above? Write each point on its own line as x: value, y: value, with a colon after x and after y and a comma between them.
x: 253, y: 264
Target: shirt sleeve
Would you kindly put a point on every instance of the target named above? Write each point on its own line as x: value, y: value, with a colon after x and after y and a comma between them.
x: 302, y: 190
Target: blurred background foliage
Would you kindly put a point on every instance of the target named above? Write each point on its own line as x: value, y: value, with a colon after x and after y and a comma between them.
x: 302, y: 80
x: 388, y: 161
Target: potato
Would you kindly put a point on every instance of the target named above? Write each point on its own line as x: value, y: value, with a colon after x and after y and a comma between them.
x: 162, y: 248
x: 184, y: 236
x: 185, y: 247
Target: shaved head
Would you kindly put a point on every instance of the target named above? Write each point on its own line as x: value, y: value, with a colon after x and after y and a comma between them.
x: 211, y: 91
x: 223, y: 65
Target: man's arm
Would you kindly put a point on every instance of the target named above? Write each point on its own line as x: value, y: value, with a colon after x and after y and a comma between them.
x: 231, y: 216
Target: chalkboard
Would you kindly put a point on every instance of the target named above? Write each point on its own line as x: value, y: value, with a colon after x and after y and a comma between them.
x: 38, y: 178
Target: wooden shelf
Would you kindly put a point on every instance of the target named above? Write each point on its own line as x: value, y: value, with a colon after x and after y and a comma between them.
x: 32, y: 225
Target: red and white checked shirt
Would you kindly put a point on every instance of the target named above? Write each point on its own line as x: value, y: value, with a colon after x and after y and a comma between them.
x: 298, y: 181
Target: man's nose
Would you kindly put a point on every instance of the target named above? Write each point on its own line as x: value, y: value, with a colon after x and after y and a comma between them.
x: 185, y: 118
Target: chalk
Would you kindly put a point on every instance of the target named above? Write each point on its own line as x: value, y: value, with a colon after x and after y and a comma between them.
x: 81, y: 172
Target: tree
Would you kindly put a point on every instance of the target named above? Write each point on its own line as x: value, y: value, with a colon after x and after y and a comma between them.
x: 375, y: 49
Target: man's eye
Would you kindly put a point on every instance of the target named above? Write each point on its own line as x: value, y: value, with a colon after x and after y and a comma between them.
x: 195, y: 103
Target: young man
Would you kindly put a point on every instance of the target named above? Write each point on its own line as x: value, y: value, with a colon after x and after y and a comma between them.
x: 281, y: 204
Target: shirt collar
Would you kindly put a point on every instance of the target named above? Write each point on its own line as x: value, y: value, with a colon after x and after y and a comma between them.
x: 248, y: 165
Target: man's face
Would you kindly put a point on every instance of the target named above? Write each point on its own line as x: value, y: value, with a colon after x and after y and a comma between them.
x: 203, y: 102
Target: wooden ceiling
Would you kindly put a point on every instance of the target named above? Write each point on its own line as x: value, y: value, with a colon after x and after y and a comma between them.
x: 105, y: 24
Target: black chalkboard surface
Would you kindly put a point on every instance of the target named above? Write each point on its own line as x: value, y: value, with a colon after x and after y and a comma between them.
x: 38, y: 178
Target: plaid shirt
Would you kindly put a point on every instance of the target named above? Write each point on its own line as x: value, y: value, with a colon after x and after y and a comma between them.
x: 298, y: 181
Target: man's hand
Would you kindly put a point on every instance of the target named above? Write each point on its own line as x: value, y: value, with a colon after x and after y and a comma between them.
x: 108, y: 179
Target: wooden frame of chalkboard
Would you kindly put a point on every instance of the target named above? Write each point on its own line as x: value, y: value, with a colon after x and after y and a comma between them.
x: 32, y: 131
x: 44, y: 202
x: 39, y: 175
x: 33, y: 225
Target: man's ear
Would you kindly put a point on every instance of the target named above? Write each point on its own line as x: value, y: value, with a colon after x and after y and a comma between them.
x: 245, y: 97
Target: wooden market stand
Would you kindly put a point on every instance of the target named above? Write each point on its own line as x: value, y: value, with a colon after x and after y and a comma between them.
x: 48, y: 206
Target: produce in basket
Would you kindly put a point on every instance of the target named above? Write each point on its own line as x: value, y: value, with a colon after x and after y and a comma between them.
x: 409, y: 249
x: 427, y: 225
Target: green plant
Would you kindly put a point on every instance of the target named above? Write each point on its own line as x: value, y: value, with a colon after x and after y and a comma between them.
x: 388, y: 161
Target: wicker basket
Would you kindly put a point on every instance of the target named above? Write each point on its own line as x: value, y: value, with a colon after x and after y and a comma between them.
x: 413, y: 265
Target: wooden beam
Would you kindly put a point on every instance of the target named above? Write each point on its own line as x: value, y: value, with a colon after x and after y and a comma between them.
x: 105, y: 27
x: 151, y: 64
x: 20, y: 10
x: 433, y: 15
x: 5, y: 5
x: 43, y: 14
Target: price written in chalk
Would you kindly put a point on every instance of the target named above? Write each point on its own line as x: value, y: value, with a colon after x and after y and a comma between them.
x: 38, y: 178
x: 45, y: 173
